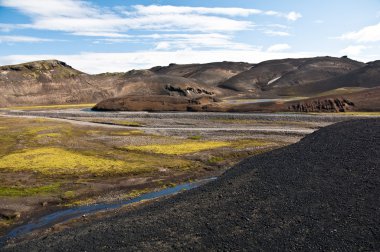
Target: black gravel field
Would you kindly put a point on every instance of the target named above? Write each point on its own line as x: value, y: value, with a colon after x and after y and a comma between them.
x: 321, y: 194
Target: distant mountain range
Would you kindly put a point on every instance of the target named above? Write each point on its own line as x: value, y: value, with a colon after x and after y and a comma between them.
x: 55, y: 82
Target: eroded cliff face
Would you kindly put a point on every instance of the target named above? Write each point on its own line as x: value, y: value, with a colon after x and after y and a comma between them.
x: 159, y: 103
x: 323, y: 105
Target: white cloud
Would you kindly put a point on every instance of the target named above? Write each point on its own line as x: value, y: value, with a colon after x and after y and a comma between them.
x: 102, y: 34
x: 353, y: 50
x: 163, y: 45
x: 169, y: 9
x: 293, y: 16
x: 278, y: 48
x: 15, y: 39
x: 366, y: 34
x: 80, y: 17
x: 276, y: 33
x: 120, y: 62
x: 52, y: 8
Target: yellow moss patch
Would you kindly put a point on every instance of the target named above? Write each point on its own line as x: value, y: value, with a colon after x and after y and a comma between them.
x: 49, y: 135
x: 65, y: 106
x: 135, y: 193
x: 250, y: 143
x: 57, y: 161
x: 81, y: 202
x: 28, y: 191
x: 182, y: 148
x: 128, y: 133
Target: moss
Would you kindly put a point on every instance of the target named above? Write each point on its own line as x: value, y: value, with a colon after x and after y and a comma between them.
x: 118, y: 122
x: 78, y: 202
x: 54, y: 161
x: 49, y: 135
x: 215, y: 160
x: 69, y: 195
x: 57, y: 161
x: 127, y: 133
x: 28, y: 191
x: 195, y: 137
x: 249, y: 143
x: 181, y: 148
x: 135, y: 193
x: 48, y: 107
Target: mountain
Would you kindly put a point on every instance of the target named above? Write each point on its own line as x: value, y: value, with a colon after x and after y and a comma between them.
x: 54, y: 82
x: 51, y: 82
x: 273, y: 74
x: 367, y: 76
x: 211, y: 73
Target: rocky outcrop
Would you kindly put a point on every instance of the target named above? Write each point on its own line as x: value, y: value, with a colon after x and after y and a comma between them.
x: 159, y: 103
x: 188, y: 90
x: 323, y: 105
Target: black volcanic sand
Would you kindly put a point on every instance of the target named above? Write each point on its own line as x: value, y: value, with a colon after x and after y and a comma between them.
x: 321, y: 194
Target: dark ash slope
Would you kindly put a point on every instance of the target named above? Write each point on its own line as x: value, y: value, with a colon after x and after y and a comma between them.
x: 319, y: 194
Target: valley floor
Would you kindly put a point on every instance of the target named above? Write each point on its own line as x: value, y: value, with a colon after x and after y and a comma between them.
x: 56, y: 159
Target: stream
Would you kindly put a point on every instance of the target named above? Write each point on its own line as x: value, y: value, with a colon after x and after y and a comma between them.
x: 64, y: 215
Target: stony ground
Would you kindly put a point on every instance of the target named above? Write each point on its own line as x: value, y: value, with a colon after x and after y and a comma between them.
x: 319, y: 194
x: 74, y: 157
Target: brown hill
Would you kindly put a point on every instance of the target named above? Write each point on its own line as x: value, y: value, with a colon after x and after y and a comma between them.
x: 54, y: 82
x: 270, y: 75
x: 365, y: 100
x: 210, y: 73
x: 367, y: 76
x: 159, y: 103
x: 51, y: 82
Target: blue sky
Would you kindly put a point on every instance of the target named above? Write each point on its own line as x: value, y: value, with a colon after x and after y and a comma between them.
x: 119, y: 35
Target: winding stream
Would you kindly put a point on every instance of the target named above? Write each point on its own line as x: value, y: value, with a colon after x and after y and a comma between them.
x: 67, y: 214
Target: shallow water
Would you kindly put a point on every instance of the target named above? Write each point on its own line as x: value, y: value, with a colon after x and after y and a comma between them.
x: 67, y: 214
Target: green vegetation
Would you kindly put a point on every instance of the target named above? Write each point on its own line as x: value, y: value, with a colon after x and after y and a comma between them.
x: 69, y: 195
x: 50, y: 107
x: 127, y: 133
x: 135, y: 193
x: 195, y: 137
x: 248, y: 143
x: 181, y: 148
x: 57, y: 161
x: 118, y: 122
x: 215, y: 160
x: 28, y: 191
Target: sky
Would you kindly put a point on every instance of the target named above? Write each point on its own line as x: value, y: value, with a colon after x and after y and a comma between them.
x: 120, y: 35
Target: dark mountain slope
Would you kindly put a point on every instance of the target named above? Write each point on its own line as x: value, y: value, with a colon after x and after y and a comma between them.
x: 321, y: 194
x: 270, y: 75
x: 367, y: 76
x: 210, y: 73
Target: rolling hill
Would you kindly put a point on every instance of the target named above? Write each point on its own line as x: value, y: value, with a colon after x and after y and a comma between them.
x: 54, y: 82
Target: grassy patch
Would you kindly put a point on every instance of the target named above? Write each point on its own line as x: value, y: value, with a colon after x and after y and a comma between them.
x: 248, y: 143
x: 135, y: 193
x: 118, y: 122
x: 28, y: 191
x: 49, y: 135
x: 215, y: 160
x: 196, y: 137
x: 182, y: 148
x: 47, y: 107
x: 127, y: 133
x: 57, y: 161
